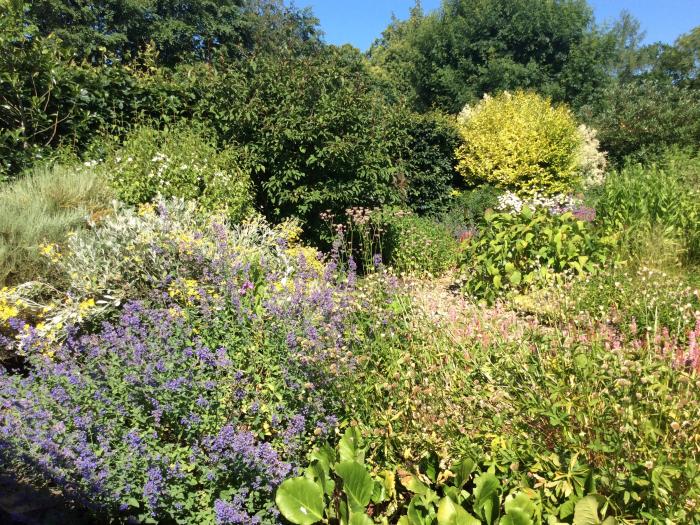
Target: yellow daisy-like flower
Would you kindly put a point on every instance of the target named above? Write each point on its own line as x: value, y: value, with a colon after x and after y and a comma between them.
x: 86, y: 305
x: 51, y: 251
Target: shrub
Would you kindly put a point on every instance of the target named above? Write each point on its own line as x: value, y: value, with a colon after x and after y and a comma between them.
x: 519, y: 251
x: 519, y: 142
x: 593, y: 162
x: 316, y: 130
x: 426, y: 158
x: 416, y: 245
x: 665, y: 195
x: 130, y: 255
x: 406, y: 242
x: 38, y: 212
x: 194, y: 404
x: 641, y: 120
x: 468, y: 209
x: 180, y: 161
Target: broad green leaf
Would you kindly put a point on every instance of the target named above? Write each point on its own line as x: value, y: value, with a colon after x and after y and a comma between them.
x: 415, y: 516
x: 360, y: 518
x: 463, y: 471
x: 413, y: 484
x: 300, y: 500
x: 497, y: 281
x: 486, y: 496
x: 521, y: 502
x: 350, y: 446
x: 515, y: 278
x: 586, y: 512
x: 516, y: 517
x: 451, y: 514
x: 357, y: 483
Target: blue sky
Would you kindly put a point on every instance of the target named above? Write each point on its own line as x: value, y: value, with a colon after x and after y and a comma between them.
x: 359, y: 22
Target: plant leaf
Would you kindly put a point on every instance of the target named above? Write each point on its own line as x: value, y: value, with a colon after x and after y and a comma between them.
x: 300, y: 500
x: 357, y: 484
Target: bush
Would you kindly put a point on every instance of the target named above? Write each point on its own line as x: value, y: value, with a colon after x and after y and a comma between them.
x: 426, y: 158
x: 193, y: 404
x: 666, y: 196
x: 593, y: 162
x: 130, y: 255
x: 519, y: 251
x: 315, y: 128
x: 38, y: 212
x: 406, y: 242
x: 520, y: 142
x: 641, y: 120
x: 183, y: 162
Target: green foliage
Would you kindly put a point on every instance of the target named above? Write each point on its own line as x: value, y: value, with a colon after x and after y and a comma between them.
x: 37, y: 92
x: 519, y: 251
x: 41, y: 209
x: 426, y: 157
x: 337, y: 488
x: 452, y: 56
x: 664, y: 196
x: 520, y: 142
x: 409, y: 244
x: 468, y: 209
x: 183, y: 162
x: 573, y: 409
x: 641, y: 299
x: 124, y: 27
x: 314, y: 130
x: 204, y: 31
x: 681, y: 61
x: 416, y: 245
x: 642, y: 118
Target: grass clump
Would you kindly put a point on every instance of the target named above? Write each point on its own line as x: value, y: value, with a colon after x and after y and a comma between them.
x: 664, y: 196
x: 37, y: 213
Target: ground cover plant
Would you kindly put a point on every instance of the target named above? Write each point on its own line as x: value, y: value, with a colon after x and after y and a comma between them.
x: 250, y: 277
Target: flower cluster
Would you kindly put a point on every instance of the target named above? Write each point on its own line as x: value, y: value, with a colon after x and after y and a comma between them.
x: 193, y: 402
x: 593, y: 162
x: 557, y: 204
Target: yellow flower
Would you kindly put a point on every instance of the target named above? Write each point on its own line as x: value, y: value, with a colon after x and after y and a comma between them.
x: 84, y: 306
x: 146, y: 209
x: 7, y: 311
x: 50, y: 251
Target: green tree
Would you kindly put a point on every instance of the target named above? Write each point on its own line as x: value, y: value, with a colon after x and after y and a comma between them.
x: 681, y: 62
x: 37, y: 91
x: 644, y: 117
x: 195, y: 29
x: 467, y: 48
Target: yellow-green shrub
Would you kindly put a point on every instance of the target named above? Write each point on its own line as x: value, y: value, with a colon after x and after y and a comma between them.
x: 520, y: 142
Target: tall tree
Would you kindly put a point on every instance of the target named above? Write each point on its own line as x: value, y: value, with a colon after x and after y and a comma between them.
x: 470, y: 47
x: 180, y: 29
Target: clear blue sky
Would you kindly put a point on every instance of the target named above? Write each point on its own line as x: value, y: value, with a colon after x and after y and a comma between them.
x: 359, y: 22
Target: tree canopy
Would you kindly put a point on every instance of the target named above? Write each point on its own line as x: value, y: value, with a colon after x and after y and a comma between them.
x: 466, y: 48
